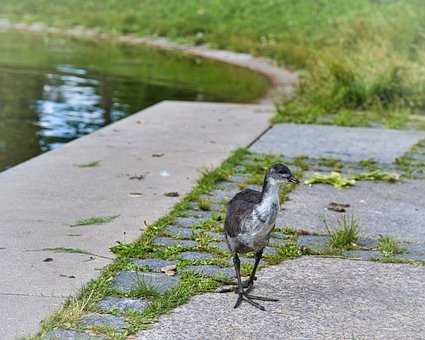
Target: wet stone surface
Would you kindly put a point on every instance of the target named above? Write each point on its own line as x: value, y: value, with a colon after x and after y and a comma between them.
x: 180, y: 232
x: 364, y: 255
x: 212, y: 271
x: 221, y: 246
x: 313, y: 242
x: 269, y: 251
x: 194, y: 255
x: 198, y: 214
x: 216, y: 236
x: 65, y: 334
x: 154, y: 265
x: 165, y: 241
x: 96, y: 319
x: 127, y: 281
x: 186, y: 221
x: 123, y: 304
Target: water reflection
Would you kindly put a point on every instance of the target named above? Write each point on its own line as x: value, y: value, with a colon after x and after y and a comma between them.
x: 53, y: 90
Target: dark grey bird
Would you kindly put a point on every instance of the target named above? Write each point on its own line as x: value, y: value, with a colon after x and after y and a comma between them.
x: 250, y: 219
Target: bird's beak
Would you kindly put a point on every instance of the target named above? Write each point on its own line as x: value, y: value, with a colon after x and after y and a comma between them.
x: 292, y: 179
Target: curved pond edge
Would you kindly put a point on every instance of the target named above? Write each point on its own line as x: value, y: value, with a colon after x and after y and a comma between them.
x: 283, y: 81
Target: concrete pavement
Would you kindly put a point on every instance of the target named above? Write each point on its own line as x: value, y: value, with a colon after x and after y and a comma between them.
x: 168, y: 144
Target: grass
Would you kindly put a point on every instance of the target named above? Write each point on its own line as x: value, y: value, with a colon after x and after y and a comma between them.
x: 92, y: 164
x: 190, y: 283
x: 94, y: 220
x: 361, y: 61
x: 389, y: 246
x: 68, y: 250
x: 345, y: 236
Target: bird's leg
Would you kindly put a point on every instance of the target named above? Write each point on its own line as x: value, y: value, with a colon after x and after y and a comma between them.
x: 242, y: 295
x: 258, y: 256
x: 250, y: 282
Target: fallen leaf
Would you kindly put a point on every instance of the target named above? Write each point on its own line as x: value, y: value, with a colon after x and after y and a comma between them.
x: 338, y: 207
x: 170, y: 270
x: 138, y: 177
x: 172, y: 194
x: 135, y: 194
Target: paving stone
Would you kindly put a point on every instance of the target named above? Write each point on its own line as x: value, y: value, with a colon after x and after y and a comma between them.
x: 95, y: 319
x: 127, y: 281
x: 319, y: 298
x: 277, y: 242
x: 180, y: 231
x: 228, y: 187
x: 344, y: 143
x: 187, y: 222
x: 221, y: 246
x: 195, y: 255
x: 313, y: 242
x: 198, y: 214
x: 414, y: 252
x: 216, y: 236
x: 363, y: 254
x: 238, y: 179
x: 269, y: 251
x: 123, y: 304
x: 154, y: 264
x: 220, y: 195
x: 66, y: 334
x: 243, y: 259
x: 397, y: 210
x: 212, y: 271
x: 166, y: 241
x: 279, y: 234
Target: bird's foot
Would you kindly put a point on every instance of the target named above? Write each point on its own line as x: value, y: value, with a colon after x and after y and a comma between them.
x: 234, y: 287
x: 244, y: 296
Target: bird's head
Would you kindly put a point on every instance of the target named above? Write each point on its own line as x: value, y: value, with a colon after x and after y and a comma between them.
x: 281, y: 173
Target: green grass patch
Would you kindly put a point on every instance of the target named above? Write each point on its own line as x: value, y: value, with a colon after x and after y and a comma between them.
x: 389, y: 246
x: 362, y: 61
x: 94, y: 220
x: 346, y: 235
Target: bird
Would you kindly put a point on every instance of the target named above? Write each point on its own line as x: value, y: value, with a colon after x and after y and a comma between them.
x: 250, y: 220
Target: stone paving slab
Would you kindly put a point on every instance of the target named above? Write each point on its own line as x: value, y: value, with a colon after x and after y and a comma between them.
x: 382, y: 208
x: 344, y: 143
x: 64, y: 334
x: 127, y: 281
x: 319, y: 298
x: 123, y: 304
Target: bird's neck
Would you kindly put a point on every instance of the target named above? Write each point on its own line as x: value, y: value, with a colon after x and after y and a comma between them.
x: 270, y: 192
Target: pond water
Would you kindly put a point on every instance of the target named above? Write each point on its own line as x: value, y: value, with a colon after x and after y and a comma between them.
x: 55, y: 89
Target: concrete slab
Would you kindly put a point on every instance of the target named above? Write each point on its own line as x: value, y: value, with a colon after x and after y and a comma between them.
x: 41, y: 198
x: 318, y: 299
x: 18, y: 310
x: 344, y: 143
x: 382, y: 208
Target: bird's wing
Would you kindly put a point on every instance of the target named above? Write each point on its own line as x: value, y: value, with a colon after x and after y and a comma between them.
x: 236, y: 214
x: 239, y: 209
x: 247, y: 195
